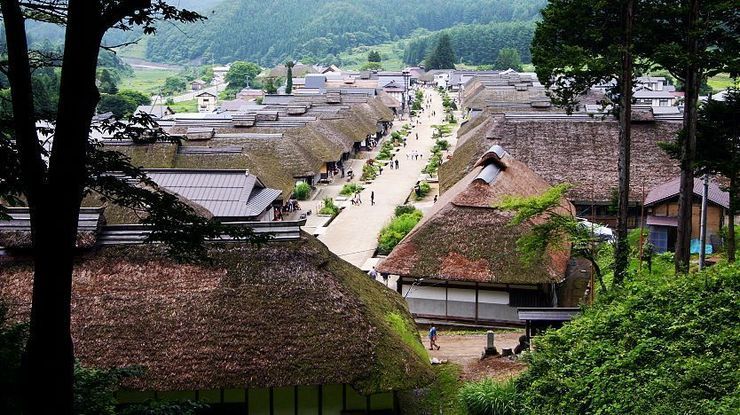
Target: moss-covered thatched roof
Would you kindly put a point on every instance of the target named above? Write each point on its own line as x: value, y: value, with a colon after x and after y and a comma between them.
x: 466, y: 237
x: 289, y: 313
x: 582, y: 152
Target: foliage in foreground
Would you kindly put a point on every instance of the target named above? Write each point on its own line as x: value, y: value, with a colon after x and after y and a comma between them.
x: 441, y: 397
x: 660, y: 345
x: 490, y: 397
x: 350, y: 189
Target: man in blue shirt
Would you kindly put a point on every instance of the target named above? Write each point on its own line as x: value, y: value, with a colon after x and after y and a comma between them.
x: 433, y: 338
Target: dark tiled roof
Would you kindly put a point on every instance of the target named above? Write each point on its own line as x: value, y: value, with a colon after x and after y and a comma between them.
x: 670, y: 189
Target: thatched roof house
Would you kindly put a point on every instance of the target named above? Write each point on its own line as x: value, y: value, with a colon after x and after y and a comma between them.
x: 577, y: 149
x: 465, y: 244
x: 255, y: 320
x: 274, y: 144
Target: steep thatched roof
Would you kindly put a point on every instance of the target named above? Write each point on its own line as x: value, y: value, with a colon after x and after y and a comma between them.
x: 579, y: 151
x: 285, y: 314
x: 466, y: 237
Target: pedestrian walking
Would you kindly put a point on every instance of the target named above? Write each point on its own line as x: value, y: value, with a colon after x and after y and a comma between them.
x: 396, y: 164
x: 359, y: 198
x: 433, y: 338
x: 372, y: 198
x: 435, y: 198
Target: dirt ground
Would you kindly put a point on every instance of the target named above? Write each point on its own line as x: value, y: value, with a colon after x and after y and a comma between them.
x: 466, y: 350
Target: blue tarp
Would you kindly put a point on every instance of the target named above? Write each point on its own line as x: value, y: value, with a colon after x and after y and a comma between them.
x: 696, y: 246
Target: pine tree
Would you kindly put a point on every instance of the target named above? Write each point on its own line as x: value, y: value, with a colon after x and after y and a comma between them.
x: 442, y: 56
x: 373, y: 56
x: 289, y: 76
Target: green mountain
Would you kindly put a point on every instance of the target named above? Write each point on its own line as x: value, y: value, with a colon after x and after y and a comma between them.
x: 270, y: 31
x: 476, y: 44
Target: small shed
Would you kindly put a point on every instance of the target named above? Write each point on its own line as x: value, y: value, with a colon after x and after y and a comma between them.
x: 538, y: 319
x: 661, y: 206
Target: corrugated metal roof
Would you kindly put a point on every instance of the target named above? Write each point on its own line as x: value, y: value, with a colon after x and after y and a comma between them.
x: 225, y: 193
x: 670, y: 189
x: 547, y: 313
x: 662, y: 221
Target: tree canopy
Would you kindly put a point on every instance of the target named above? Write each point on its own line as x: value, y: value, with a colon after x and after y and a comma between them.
x: 311, y: 30
x: 442, y: 56
x: 508, y: 58
x: 241, y: 74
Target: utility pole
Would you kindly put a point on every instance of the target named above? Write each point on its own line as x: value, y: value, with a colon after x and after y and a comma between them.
x: 703, y: 223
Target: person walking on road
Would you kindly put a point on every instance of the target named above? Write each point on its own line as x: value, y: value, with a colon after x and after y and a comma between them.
x: 396, y: 164
x: 433, y: 338
x: 372, y: 198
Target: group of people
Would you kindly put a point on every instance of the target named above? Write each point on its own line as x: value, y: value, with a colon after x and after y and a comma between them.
x: 414, y: 155
x: 357, y: 199
x: 291, y: 206
x: 393, y: 164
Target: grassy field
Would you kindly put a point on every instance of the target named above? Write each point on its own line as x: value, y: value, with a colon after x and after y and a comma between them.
x: 721, y: 82
x: 391, y: 54
x: 185, y: 106
x: 147, y: 81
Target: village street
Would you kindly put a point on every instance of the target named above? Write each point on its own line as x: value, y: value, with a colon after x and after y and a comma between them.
x: 353, y: 234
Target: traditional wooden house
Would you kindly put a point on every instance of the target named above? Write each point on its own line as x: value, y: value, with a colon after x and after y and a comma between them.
x: 576, y: 149
x: 461, y: 262
x: 661, y: 205
x: 280, y: 329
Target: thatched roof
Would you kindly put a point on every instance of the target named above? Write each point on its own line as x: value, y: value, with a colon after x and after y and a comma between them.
x: 580, y: 151
x: 465, y: 237
x: 15, y: 232
x: 505, y: 92
x: 285, y: 314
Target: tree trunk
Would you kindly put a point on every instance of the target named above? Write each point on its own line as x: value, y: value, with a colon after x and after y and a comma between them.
x: 731, y: 222
x: 621, y: 253
x: 688, y: 150
x: 49, y: 359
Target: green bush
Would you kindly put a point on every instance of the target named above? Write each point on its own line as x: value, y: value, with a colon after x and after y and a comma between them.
x: 396, y: 230
x: 662, y: 344
x: 442, y: 145
x: 386, y: 151
x: 302, y: 191
x: 433, y: 164
x: 350, y: 189
x: 423, y: 189
x: 369, y: 172
x: 329, y: 208
x: 490, y: 397
x: 401, y: 209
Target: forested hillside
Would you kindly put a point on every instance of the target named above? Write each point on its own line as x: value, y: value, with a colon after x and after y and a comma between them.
x: 268, y: 32
x: 476, y: 44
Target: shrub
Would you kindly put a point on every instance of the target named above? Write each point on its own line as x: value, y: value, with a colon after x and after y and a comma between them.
x: 302, y: 191
x: 329, y: 207
x: 401, y: 209
x: 661, y: 344
x: 490, y: 397
x: 369, y: 172
x: 350, y: 189
x: 433, y: 164
x: 396, y: 230
x: 442, y: 145
x: 422, y: 190
x: 386, y: 151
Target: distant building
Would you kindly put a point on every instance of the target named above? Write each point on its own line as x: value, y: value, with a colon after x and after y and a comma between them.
x: 206, y: 101
x: 155, y: 111
x: 661, y: 206
x: 198, y: 84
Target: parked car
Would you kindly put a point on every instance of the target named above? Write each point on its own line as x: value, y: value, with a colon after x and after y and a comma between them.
x: 602, y: 232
